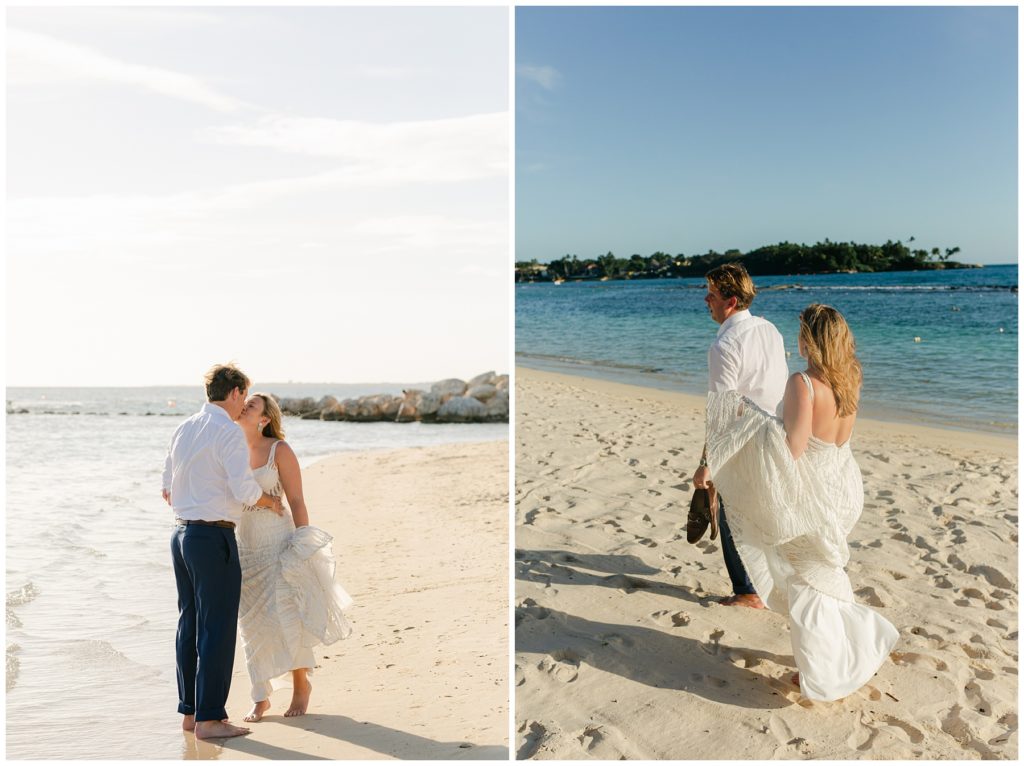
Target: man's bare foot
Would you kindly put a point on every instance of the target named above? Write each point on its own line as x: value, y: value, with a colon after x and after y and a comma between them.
x: 188, y: 723
x: 301, y: 689
x: 215, y: 729
x: 258, y: 709
x: 751, y: 600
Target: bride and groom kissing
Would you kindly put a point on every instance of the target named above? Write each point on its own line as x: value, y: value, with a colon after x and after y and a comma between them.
x: 242, y: 559
x: 777, y: 455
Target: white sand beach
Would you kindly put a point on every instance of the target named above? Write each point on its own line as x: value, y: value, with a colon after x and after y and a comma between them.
x: 421, y: 540
x: 623, y: 651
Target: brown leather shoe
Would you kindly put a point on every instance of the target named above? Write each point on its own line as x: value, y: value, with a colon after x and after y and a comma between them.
x: 699, y: 518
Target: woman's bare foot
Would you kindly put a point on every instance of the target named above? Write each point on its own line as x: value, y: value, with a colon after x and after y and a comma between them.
x: 744, y: 599
x: 301, y: 689
x: 188, y: 723
x: 215, y: 729
x: 258, y: 709
x: 795, y: 678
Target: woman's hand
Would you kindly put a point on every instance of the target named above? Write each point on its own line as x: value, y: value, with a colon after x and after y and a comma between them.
x: 702, y: 477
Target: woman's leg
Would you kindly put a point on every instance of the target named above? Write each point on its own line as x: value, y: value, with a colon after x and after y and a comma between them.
x: 301, y: 689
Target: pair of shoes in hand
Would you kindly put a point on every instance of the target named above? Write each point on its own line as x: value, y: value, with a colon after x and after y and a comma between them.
x: 701, y: 517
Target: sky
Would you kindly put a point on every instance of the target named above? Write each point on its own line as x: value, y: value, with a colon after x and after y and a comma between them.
x: 317, y: 194
x: 691, y: 129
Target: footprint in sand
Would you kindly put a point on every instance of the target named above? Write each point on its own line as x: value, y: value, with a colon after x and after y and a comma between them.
x: 602, y: 742
x: 914, y: 658
x: 520, y: 675
x: 1010, y: 721
x: 613, y: 527
x: 533, y: 610
x: 870, y: 596
x: 671, y: 619
x: 955, y: 726
x: 992, y: 575
x: 532, y: 736
x: 899, y: 733
x: 540, y: 517
x: 977, y: 700
x: 562, y: 665
x: 870, y: 692
x: 954, y: 561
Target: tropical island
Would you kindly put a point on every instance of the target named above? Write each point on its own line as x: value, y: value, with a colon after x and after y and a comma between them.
x: 782, y: 259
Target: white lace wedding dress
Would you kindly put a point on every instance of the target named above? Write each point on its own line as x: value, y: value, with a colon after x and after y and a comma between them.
x: 790, y: 520
x: 289, y: 602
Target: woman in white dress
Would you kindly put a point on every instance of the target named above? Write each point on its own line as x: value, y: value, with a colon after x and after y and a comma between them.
x: 796, y: 492
x: 289, y: 602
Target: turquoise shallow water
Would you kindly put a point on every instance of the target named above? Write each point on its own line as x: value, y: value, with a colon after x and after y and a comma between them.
x: 961, y: 374
x: 91, y: 607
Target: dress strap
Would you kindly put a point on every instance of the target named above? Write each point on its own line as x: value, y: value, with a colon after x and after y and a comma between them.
x: 804, y: 375
x: 273, y: 449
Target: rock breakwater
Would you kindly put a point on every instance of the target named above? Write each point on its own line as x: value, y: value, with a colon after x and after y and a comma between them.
x: 483, y: 399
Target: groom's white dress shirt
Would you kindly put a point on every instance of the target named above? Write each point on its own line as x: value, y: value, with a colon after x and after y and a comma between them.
x: 207, y: 468
x: 749, y: 356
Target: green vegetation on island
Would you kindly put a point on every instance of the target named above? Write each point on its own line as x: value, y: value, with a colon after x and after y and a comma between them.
x: 782, y: 259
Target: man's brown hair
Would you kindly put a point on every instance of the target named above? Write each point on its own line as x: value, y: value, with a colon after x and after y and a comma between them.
x: 222, y: 379
x: 732, y: 281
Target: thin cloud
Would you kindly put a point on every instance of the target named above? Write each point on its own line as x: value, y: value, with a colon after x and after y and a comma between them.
x: 545, y: 76
x: 35, y: 59
x: 429, y: 151
x: 391, y: 72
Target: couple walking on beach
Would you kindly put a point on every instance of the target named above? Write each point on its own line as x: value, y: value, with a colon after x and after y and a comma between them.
x: 777, y: 457
x: 241, y: 558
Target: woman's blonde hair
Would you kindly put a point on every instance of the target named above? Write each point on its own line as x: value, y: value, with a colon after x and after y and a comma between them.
x: 271, y: 410
x: 830, y: 348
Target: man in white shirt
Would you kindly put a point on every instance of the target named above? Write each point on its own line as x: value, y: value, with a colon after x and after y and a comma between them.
x: 207, y: 480
x: 748, y: 356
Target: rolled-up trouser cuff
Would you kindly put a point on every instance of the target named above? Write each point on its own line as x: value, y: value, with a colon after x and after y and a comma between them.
x: 186, y: 709
x: 213, y: 714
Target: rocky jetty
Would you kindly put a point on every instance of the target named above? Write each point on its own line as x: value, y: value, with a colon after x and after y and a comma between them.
x: 484, y: 399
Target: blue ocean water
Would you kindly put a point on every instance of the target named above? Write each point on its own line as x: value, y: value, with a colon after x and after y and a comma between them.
x: 91, y: 606
x: 961, y: 373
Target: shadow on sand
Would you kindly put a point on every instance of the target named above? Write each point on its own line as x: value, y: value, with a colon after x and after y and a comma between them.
x: 565, y: 568
x: 381, y: 739
x: 649, y: 656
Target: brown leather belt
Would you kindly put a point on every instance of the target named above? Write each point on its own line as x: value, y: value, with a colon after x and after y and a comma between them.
x: 224, y: 524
